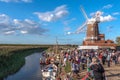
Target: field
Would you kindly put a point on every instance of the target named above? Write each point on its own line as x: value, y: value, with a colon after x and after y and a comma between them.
x: 12, y: 57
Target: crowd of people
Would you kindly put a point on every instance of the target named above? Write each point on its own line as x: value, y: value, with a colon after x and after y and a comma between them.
x: 92, y: 60
x: 82, y: 60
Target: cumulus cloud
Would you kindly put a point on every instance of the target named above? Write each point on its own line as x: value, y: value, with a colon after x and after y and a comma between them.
x: 103, y: 18
x: 16, y: 1
x: 56, y: 14
x: 107, y: 6
x: 29, y: 27
x: 9, y: 26
x: 4, y: 19
x: 24, y: 32
x: 9, y: 32
x: 106, y: 18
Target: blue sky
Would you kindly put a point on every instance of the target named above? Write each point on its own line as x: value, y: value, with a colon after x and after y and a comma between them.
x: 41, y: 21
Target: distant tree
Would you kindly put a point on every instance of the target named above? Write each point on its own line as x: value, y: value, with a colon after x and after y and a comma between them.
x: 118, y: 40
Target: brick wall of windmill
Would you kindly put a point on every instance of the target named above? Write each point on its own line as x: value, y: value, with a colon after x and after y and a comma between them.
x: 94, y: 38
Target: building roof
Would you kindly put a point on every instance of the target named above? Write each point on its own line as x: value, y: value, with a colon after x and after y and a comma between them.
x: 110, y: 41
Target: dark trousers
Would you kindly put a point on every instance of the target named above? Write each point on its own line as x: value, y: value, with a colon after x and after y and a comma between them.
x: 103, y: 62
x: 83, y: 66
x: 108, y: 63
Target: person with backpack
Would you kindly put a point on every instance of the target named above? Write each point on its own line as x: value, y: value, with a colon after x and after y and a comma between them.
x: 97, y: 70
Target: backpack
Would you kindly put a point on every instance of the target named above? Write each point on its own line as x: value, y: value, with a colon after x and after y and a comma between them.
x: 99, y: 69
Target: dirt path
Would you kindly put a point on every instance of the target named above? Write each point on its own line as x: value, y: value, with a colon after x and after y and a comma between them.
x: 112, y: 73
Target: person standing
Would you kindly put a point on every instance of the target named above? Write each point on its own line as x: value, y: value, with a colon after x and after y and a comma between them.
x: 88, y: 62
x: 83, y: 61
x: 73, y: 66
x: 104, y: 58
x: 108, y: 59
x: 98, y: 70
x: 100, y: 57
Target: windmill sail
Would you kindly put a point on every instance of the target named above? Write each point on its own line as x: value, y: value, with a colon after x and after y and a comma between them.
x: 81, y: 28
x: 84, y: 13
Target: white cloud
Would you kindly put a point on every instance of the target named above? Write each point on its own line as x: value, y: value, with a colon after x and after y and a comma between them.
x: 56, y: 14
x: 103, y: 18
x: 9, y: 32
x: 107, y: 6
x: 4, y: 19
x: 116, y: 13
x: 9, y: 26
x: 24, y: 32
x: 16, y: 1
x: 106, y: 18
x: 29, y: 27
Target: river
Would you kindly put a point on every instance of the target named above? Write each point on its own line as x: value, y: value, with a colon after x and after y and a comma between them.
x: 30, y: 71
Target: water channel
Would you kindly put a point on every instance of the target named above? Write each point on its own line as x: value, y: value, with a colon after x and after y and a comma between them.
x: 30, y: 71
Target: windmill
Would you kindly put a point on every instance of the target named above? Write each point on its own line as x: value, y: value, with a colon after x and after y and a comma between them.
x: 95, y: 19
x: 92, y: 32
x: 93, y: 37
